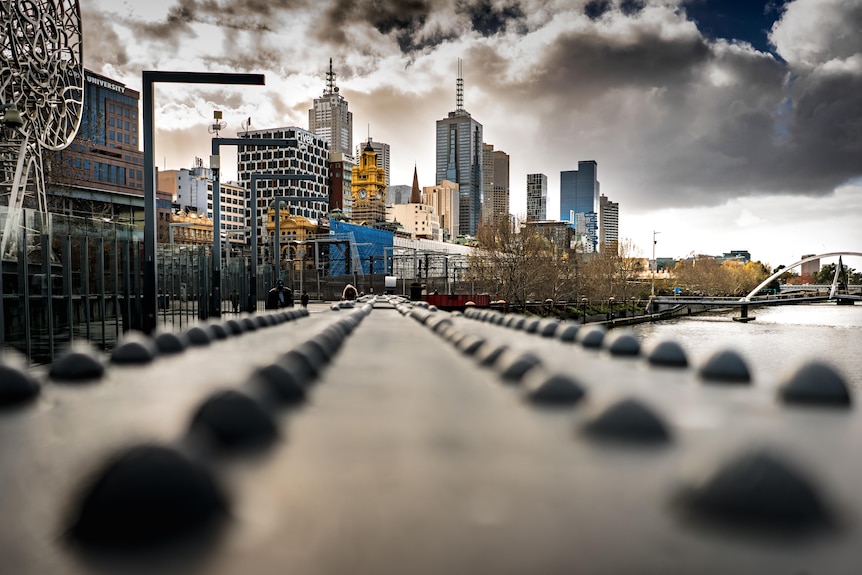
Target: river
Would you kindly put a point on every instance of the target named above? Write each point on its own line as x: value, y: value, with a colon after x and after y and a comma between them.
x: 780, y: 338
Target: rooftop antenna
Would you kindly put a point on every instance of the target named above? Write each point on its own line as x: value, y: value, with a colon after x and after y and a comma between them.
x: 218, y: 124
x: 459, y: 90
x: 330, y: 80
x: 246, y: 126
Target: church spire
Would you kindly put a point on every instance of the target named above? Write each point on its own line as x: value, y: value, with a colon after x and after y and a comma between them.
x: 415, y: 196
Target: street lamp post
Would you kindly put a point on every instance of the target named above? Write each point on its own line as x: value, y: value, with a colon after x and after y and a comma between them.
x: 611, y: 301
x: 149, y: 78
x: 584, y: 307
x: 654, y: 262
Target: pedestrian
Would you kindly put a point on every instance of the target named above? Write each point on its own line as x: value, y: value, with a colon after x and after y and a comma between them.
x: 234, y: 301
x: 349, y: 292
x: 303, y: 300
x: 276, y: 298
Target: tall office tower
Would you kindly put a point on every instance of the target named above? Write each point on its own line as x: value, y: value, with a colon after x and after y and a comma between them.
x: 537, y: 197
x: 459, y: 159
x: 444, y: 198
x: 382, y: 150
x: 579, y: 194
x: 330, y: 118
x: 609, y: 223
x: 309, y: 157
x: 495, y: 171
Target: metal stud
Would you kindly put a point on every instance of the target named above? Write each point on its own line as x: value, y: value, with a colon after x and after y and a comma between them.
x: 16, y: 385
x: 628, y: 420
x: 232, y: 420
x: 170, y: 342
x: 815, y: 383
x: 76, y: 366
x: 725, y: 367
x: 552, y: 389
x: 668, y: 354
x: 621, y: 343
x: 134, y: 349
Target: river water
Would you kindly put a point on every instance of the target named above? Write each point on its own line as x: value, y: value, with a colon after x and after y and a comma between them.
x: 779, y: 339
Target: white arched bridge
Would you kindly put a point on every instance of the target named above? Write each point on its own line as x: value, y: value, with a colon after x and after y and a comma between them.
x: 841, y: 296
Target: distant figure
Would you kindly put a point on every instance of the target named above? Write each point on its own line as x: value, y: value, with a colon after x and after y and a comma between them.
x: 303, y: 300
x: 234, y: 301
x: 278, y: 296
x: 349, y: 292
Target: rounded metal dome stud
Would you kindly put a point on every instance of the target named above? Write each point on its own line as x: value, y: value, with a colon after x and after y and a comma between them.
x: 725, y: 367
x: 16, y: 385
x: 591, y: 337
x: 135, y: 349
x: 170, y: 342
x: 531, y: 325
x: 758, y: 489
x: 199, y: 336
x: 667, y: 354
x: 146, y: 497
x: 470, y: 344
x: 218, y: 331
x: 249, y: 324
x: 815, y: 383
x: 234, y: 327
x: 629, y: 420
x: 568, y: 331
x: 233, y: 420
x: 488, y: 354
x: 76, y: 366
x: 513, y: 365
x: 283, y: 383
x: 518, y: 322
x: 556, y: 389
x: 622, y: 344
x: 549, y: 327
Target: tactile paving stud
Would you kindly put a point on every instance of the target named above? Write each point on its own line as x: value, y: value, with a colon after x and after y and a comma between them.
x: 135, y: 349
x: 147, y: 496
x: 548, y: 327
x: 16, y: 385
x: 76, y: 366
x: 316, y: 355
x: 234, y: 327
x: 815, y: 383
x: 725, y: 366
x: 628, y: 420
x: 668, y: 354
x: 489, y: 353
x: 249, y: 323
x: 568, y: 331
x: 591, y: 337
x: 518, y: 322
x: 283, y: 384
x: 170, y: 342
x: 199, y: 336
x: 469, y: 344
x: 531, y: 325
x: 233, y: 420
x: 263, y: 320
x: 559, y: 389
x: 622, y: 344
x: 513, y: 365
x: 759, y: 489
x: 218, y: 331
x: 300, y: 365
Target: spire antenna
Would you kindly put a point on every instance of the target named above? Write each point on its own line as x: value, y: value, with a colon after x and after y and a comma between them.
x: 459, y: 90
x: 330, y: 79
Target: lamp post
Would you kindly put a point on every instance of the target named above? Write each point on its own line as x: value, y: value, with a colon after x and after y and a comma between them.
x: 654, y: 262
x: 611, y: 301
x: 633, y: 306
x: 584, y: 307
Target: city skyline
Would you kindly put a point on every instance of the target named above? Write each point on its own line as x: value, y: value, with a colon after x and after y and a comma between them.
x: 721, y: 125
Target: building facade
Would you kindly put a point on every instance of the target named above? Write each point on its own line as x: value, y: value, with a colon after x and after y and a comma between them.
x: 537, y: 197
x: 579, y: 202
x: 340, y: 181
x: 330, y: 118
x: 310, y: 157
x: 417, y: 220
x: 382, y: 151
x: 609, y: 223
x: 495, y: 203
x: 586, y: 229
x: 459, y: 160
x: 445, y: 200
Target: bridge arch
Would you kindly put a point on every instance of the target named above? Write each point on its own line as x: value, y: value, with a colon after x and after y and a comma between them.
x: 769, y: 280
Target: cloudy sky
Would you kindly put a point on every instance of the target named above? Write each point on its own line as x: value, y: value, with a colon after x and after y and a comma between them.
x: 721, y: 124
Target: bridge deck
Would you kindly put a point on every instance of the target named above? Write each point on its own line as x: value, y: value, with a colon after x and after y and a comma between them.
x: 411, y: 457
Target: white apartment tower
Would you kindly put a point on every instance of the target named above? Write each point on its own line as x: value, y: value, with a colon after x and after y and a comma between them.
x: 330, y: 118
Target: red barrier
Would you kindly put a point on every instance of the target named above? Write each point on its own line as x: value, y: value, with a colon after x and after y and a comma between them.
x: 457, y: 301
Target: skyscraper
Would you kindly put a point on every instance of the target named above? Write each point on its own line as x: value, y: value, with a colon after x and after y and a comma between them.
x: 382, y: 150
x: 495, y: 185
x: 330, y: 118
x: 537, y: 197
x: 459, y: 159
x: 579, y: 194
x: 609, y: 223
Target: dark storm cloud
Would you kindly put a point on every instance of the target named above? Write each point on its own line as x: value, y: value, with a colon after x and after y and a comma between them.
x: 488, y: 19
x: 102, y: 44
x: 595, y: 9
x: 403, y: 17
x: 631, y: 7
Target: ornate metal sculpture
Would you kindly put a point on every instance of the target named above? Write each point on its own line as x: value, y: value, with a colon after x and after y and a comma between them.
x: 41, y: 76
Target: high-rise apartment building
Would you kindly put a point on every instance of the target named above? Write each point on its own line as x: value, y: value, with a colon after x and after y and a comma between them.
x: 459, y: 159
x: 495, y: 171
x: 330, y: 118
x: 579, y: 194
x: 309, y: 157
x: 537, y: 197
x: 382, y: 150
x: 609, y: 223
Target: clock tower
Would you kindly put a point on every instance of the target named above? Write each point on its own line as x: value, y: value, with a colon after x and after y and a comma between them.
x: 368, y: 189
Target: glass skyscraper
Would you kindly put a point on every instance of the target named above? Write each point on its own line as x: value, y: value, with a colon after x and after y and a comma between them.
x: 579, y: 194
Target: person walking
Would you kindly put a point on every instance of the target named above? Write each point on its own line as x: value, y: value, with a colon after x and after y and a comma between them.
x: 276, y: 298
x: 303, y: 300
